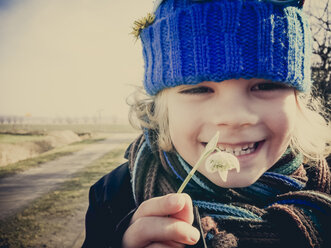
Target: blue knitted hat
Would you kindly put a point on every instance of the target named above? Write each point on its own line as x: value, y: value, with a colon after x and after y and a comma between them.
x: 191, y: 41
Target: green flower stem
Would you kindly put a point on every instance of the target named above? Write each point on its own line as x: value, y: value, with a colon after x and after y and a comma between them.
x: 210, y: 147
x: 190, y: 175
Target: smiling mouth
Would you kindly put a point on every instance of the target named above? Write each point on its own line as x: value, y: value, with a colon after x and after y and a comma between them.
x: 241, y: 149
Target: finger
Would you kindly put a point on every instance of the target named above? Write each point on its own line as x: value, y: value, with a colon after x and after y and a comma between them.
x: 166, y: 205
x: 174, y: 244
x: 166, y: 245
x: 146, y: 230
x: 158, y: 245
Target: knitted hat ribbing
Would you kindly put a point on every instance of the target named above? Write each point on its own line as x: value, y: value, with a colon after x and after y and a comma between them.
x: 195, y: 41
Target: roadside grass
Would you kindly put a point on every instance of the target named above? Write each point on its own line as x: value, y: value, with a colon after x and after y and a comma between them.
x: 49, y: 215
x: 12, y: 139
x: 45, y: 157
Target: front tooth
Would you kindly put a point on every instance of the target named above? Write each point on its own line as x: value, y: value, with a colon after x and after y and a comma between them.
x: 241, y: 152
x: 229, y: 150
x: 237, y: 151
x: 246, y: 152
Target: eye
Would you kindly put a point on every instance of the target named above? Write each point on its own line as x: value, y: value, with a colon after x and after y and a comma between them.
x: 269, y: 86
x: 197, y: 90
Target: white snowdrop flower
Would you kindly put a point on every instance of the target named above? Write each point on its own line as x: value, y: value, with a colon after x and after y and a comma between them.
x: 222, y: 162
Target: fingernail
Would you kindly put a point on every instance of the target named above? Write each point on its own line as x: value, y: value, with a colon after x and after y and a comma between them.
x: 195, y: 236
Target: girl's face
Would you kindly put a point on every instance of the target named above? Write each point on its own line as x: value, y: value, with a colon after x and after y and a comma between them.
x: 255, y: 119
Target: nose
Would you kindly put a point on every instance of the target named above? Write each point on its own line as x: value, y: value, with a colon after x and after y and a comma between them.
x: 233, y: 108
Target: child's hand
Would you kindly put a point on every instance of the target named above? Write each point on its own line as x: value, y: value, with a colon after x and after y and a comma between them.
x: 164, y: 221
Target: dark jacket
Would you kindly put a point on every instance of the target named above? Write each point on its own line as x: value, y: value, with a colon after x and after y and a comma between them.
x: 111, y: 206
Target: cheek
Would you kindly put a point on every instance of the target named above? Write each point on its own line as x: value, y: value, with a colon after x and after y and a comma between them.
x: 281, y: 116
x: 184, y: 130
x: 176, y: 122
x: 286, y: 120
x: 282, y: 122
x: 183, y: 120
x: 282, y: 125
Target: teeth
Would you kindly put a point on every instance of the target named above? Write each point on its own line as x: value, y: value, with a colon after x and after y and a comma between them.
x: 237, y: 149
x: 245, y: 152
x: 240, y: 150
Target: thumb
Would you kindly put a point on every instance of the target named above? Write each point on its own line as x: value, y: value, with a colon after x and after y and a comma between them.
x: 186, y: 212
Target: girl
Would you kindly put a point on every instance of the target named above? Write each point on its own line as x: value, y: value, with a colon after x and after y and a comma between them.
x: 240, y: 68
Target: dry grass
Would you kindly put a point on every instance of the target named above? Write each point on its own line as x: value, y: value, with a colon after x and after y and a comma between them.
x: 45, y: 157
x: 77, y: 128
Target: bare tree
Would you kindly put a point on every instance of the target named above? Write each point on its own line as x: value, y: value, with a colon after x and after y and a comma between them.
x: 319, y: 12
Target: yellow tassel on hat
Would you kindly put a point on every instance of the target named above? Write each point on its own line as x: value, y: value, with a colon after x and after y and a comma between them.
x: 141, y: 24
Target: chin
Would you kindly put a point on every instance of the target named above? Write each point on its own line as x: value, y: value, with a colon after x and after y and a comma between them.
x: 237, y: 181
x: 241, y: 184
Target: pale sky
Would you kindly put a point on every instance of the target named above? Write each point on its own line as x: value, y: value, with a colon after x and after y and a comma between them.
x: 69, y: 57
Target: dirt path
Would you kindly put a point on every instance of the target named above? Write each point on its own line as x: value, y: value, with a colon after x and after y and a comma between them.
x: 17, y: 192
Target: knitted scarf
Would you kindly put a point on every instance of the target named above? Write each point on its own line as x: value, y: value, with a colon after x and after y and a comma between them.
x: 289, y: 206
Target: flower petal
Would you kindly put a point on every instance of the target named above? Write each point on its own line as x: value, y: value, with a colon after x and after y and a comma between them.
x: 222, y: 162
x: 210, y: 147
x: 223, y: 175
